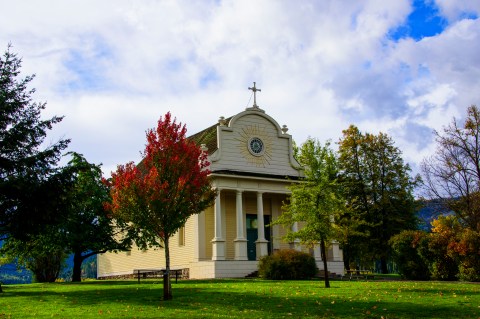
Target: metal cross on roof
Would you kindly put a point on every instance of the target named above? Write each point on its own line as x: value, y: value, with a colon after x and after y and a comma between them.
x: 254, y: 89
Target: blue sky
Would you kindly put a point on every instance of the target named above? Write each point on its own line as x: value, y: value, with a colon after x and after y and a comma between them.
x: 113, y: 67
x: 424, y: 20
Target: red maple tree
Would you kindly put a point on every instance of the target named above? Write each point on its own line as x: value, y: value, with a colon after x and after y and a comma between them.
x: 154, y: 199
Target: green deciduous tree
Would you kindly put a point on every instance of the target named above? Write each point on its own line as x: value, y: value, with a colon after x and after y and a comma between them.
x: 155, y: 199
x: 378, y: 191
x: 315, y: 201
x: 88, y: 229
x: 30, y: 183
x: 85, y: 229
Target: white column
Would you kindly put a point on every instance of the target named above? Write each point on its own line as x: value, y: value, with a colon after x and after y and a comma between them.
x: 200, y: 243
x: 317, y: 253
x: 336, y: 251
x: 275, y: 239
x: 240, y: 231
x: 218, y: 243
x: 296, y: 242
x: 262, y: 243
x: 218, y: 216
x: 260, y: 222
x: 240, y: 241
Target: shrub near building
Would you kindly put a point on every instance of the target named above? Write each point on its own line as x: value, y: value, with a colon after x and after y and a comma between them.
x: 287, y: 264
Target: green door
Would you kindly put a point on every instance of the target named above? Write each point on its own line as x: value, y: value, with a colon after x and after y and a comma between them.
x: 252, y: 235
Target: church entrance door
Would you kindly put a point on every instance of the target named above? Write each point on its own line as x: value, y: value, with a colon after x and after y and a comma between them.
x: 252, y: 235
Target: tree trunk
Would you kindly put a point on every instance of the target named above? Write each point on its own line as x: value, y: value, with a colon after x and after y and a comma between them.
x: 383, y: 265
x: 323, y: 252
x: 1, y: 288
x: 77, y: 267
x: 167, y: 288
x: 346, y: 257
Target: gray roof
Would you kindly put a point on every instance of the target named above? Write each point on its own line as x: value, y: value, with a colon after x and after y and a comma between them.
x: 208, y: 137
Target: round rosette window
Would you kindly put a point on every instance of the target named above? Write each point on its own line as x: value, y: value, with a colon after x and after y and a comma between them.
x: 255, y: 146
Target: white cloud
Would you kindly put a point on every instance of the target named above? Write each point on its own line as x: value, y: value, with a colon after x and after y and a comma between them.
x: 454, y: 10
x: 114, y: 67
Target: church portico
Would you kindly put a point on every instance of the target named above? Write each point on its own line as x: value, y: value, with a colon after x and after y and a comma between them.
x: 241, y: 218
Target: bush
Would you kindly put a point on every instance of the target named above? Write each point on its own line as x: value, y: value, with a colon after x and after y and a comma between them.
x: 467, y: 272
x: 46, y: 266
x: 443, y: 260
x: 287, y: 264
x: 468, y: 249
x: 41, y: 255
x: 450, y: 251
x: 410, y: 263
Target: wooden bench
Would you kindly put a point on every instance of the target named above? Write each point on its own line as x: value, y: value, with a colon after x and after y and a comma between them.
x: 321, y: 274
x: 156, y: 273
x: 360, y: 274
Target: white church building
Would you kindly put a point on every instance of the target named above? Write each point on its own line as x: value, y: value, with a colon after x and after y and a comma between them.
x: 251, y: 163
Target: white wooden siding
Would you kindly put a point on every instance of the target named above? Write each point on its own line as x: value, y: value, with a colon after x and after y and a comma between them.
x: 234, y: 155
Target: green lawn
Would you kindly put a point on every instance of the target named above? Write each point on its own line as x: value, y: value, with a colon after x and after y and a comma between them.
x: 242, y: 299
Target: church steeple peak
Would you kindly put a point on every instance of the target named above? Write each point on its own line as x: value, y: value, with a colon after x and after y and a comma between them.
x: 255, y: 107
